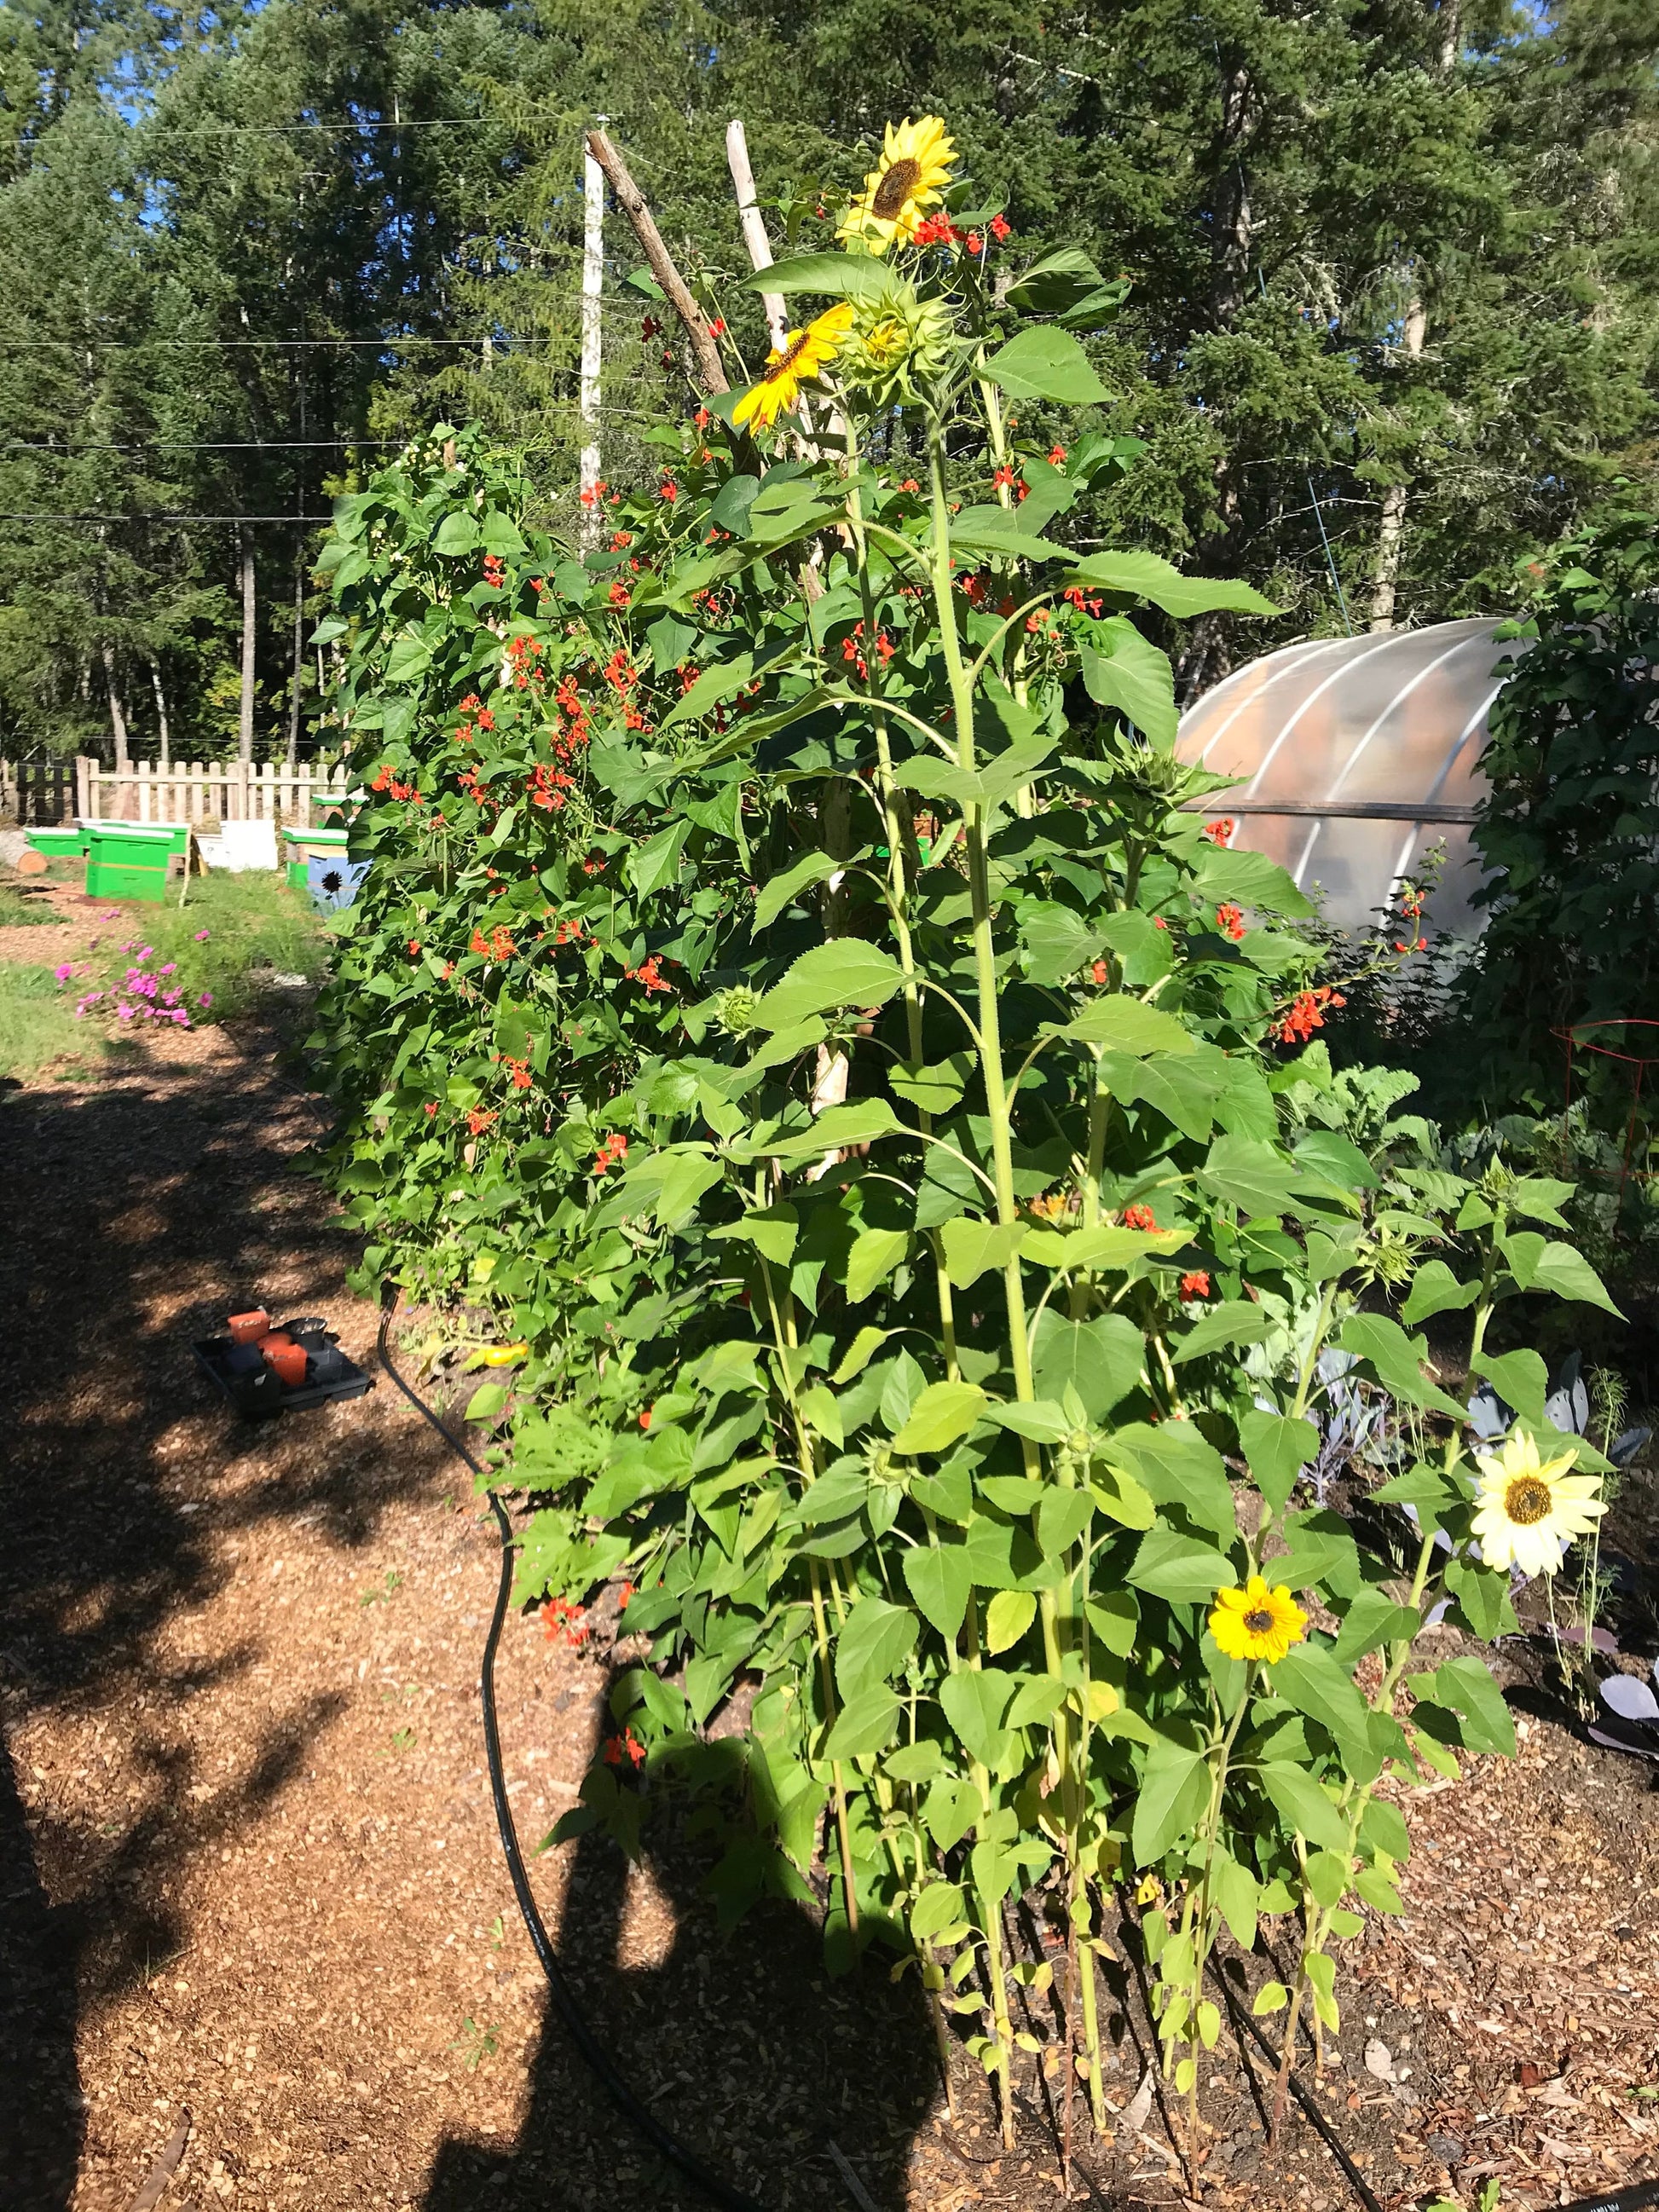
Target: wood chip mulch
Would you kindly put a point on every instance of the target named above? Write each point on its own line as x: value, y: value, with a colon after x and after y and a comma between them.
x: 248, y: 1866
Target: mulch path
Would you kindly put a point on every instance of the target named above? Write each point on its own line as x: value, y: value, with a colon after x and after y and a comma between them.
x: 248, y: 1864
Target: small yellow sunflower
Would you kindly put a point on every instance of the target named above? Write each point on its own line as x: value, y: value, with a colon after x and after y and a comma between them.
x: 777, y: 388
x: 914, y: 166
x: 1528, y: 1510
x: 1256, y: 1622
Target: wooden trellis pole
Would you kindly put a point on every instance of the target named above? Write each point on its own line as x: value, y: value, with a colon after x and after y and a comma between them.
x: 631, y: 201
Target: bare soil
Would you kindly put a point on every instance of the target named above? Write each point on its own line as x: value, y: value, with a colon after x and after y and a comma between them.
x: 248, y: 1866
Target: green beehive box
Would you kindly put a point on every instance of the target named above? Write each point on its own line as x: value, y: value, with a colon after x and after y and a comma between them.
x: 66, y: 844
x: 133, y: 859
x: 302, y: 843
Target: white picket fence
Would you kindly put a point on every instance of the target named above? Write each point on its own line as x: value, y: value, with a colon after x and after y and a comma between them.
x: 211, y: 791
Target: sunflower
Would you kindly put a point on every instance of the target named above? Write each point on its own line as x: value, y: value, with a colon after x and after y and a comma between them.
x: 777, y: 387
x: 914, y: 166
x: 1256, y: 1622
x: 1528, y: 1510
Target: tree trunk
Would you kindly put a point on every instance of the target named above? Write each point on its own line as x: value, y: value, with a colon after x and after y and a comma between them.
x: 1391, y: 530
x: 244, y: 739
x: 299, y: 655
x: 1235, y: 224
x: 118, y: 721
x: 163, y: 732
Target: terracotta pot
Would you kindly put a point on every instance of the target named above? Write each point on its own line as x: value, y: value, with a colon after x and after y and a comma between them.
x: 287, y: 1362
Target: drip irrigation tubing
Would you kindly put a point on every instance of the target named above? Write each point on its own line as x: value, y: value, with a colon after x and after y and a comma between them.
x: 1637, y: 2199
x: 611, y: 2079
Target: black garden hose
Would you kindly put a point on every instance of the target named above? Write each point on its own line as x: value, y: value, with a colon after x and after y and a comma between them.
x: 627, y: 2101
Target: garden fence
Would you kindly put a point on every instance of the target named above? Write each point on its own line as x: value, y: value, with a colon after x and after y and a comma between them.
x: 37, y: 793
x: 214, y: 790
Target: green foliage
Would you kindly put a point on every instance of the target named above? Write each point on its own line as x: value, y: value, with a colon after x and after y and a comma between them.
x: 800, y: 993
x: 38, y: 1028
x: 1570, y: 827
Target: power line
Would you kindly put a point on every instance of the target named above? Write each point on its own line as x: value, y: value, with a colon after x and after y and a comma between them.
x: 205, y: 445
x: 344, y: 123
x: 199, y: 345
x: 148, y: 515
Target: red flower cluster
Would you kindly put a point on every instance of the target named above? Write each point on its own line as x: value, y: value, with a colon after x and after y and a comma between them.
x: 1196, y: 1284
x: 619, y: 595
x: 414, y: 946
x: 627, y: 1746
x: 498, y: 944
x: 937, y: 230
x: 1419, y: 945
x: 1219, y: 832
x: 668, y: 491
x: 1073, y: 596
x: 387, y: 783
x: 592, y: 868
x: 1306, y: 1013
x: 850, y: 651
x: 477, y: 1121
x: 562, y: 1617
x: 1001, y: 229
x: 621, y: 541
x: 494, y: 571
x: 518, y: 1069
x: 1139, y: 1217
x: 522, y: 654
x: 1004, y: 475
x: 1056, y: 456
x: 568, y: 933
x: 1230, y: 920
x: 612, y: 1152
x: 647, y: 974
x: 592, y: 498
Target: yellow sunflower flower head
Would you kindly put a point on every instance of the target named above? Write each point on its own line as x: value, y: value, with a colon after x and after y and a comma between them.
x: 1257, y: 1623
x: 776, y: 390
x: 1528, y: 1509
x: 915, y: 165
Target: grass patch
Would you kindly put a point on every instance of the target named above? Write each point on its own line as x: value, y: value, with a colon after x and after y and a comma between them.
x: 236, y: 935
x: 38, y: 1027
x: 18, y: 906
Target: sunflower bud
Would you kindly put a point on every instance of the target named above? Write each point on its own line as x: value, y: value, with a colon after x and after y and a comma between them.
x: 735, y: 1010
x: 896, y: 343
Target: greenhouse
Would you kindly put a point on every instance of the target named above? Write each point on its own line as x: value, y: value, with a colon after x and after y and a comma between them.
x: 1360, y: 755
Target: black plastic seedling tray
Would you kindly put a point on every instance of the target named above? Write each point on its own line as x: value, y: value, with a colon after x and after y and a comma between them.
x: 253, y: 1388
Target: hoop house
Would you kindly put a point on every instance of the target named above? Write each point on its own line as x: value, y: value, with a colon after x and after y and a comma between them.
x: 1360, y: 755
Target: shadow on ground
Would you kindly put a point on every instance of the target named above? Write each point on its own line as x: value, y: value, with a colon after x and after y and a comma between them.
x: 136, y: 1210
x: 740, y: 2045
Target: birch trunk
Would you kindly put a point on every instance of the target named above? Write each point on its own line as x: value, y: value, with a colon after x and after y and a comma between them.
x: 244, y: 738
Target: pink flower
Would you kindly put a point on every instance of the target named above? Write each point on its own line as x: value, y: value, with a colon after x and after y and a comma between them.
x: 170, y: 969
x: 63, y: 970
x: 113, y: 915
x: 202, y: 936
x: 206, y: 999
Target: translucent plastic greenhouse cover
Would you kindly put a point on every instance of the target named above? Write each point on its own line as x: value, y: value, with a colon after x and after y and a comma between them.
x: 1360, y: 755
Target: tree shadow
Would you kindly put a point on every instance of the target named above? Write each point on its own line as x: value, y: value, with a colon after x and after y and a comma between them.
x: 139, y: 1209
x: 739, y: 2044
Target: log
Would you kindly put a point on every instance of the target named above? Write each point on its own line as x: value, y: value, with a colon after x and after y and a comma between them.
x: 631, y: 201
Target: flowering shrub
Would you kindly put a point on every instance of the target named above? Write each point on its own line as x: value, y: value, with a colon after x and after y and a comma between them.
x: 928, y: 1215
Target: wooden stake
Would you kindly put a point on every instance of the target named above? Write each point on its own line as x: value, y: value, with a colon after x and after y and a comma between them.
x: 593, y: 285
x: 631, y: 200
x: 753, y: 230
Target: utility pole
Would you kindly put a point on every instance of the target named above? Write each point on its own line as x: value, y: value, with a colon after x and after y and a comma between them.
x: 592, y: 285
